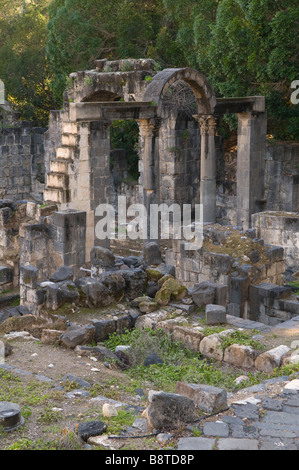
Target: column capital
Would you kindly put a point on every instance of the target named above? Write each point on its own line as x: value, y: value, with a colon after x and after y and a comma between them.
x: 148, y: 127
x: 208, y: 123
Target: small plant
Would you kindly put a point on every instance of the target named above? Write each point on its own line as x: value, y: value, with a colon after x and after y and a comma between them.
x: 49, y: 416
x: 241, y: 337
x: 148, y: 78
x: 127, y: 66
x: 88, y: 81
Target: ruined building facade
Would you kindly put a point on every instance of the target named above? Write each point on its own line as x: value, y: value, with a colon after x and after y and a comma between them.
x: 53, y: 180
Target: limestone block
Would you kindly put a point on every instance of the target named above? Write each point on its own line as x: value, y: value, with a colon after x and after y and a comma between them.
x: 190, y: 337
x: 210, y: 346
x: 215, y: 314
x: 207, y: 398
x: 269, y: 360
x: 240, y: 355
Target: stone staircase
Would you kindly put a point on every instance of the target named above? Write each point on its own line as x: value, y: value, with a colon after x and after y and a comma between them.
x: 57, y: 184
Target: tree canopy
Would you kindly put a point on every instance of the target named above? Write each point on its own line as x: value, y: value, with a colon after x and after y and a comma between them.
x: 243, y: 47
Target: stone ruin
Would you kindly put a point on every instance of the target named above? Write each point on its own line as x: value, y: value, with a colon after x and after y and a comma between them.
x: 52, y: 181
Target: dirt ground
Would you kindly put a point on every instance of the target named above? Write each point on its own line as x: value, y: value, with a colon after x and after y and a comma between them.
x: 40, y: 399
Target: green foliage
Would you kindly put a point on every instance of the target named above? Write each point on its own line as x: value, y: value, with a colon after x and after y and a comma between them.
x: 23, y: 64
x: 125, y: 135
x: 244, y: 47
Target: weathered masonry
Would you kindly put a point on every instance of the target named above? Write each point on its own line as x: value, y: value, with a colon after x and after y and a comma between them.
x: 177, y: 140
x: 53, y: 181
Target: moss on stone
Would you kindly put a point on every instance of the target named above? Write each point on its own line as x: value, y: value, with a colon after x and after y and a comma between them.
x: 153, y: 274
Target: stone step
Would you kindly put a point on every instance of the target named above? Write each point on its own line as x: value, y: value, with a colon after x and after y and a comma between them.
x: 69, y: 140
x: 57, y: 180
x: 57, y: 195
x: 60, y: 165
x: 65, y: 152
x: 69, y: 128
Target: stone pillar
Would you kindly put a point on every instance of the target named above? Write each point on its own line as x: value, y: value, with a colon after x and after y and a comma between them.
x: 100, y: 171
x: 148, y: 132
x: 252, y: 129
x: 208, y: 166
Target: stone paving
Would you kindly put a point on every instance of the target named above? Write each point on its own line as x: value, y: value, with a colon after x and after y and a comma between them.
x: 261, y: 417
x: 262, y: 420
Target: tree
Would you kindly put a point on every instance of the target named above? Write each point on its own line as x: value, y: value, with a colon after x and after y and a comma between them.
x: 245, y: 47
x: 23, y: 65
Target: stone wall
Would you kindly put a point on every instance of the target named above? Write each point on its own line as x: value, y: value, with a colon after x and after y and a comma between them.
x: 21, y: 159
x: 280, y: 228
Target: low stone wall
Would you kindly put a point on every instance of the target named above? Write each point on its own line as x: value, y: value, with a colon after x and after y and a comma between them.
x: 280, y: 228
x: 271, y: 304
x: 227, y: 256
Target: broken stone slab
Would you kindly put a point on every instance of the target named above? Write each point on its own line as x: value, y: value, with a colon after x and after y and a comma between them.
x: 104, y: 328
x: 271, y: 359
x: 240, y: 355
x: 150, y: 320
x: 215, y: 314
x: 33, y: 324
x: 136, y: 282
x: 207, y: 398
x: 168, y: 411
x: 147, y: 307
x: 61, y: 293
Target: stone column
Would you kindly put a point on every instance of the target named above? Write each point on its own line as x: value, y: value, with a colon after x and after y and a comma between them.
x: 100, y: 170
x: 252, y: 129
x: 208, y: 166
x: 148, y: 132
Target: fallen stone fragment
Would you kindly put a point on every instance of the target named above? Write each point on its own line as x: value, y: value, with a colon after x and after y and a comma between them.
x: 240, y: 355
x: 92, y: 428
x: 170, y: 411
x: 269, y: 360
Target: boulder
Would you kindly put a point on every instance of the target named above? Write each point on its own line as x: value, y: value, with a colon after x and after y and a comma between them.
x: 64, y: 273
x: 136, y: 281
x: 102, y: 257
x: 171, y: 289
x: 170, y: 410
x: 60, y: 293
x: 75, y: 336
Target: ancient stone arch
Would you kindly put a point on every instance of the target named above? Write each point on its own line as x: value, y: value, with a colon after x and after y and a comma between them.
x: 79, y: 168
